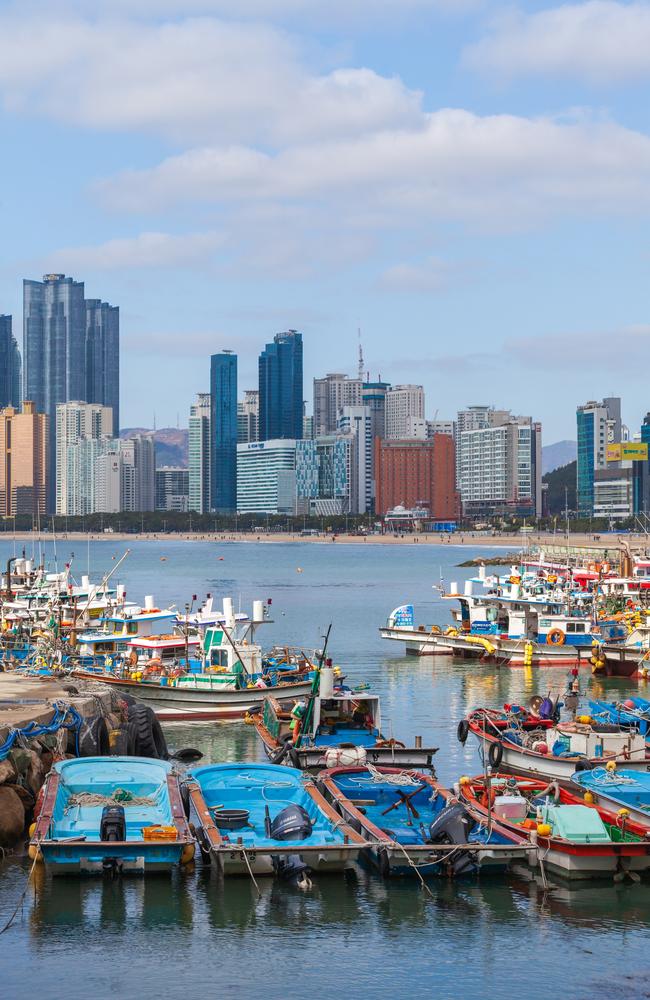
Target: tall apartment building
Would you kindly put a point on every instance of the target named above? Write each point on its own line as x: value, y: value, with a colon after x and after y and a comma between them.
x: 248, y: 417
x: 10, y: 366
x: 223, y: 430
x: 447, y: 427
x: 331, y: 394
x: 78, y: 421
x: 172, y: 488
x: 374, y: 397
x: 404, y: 409
x: 200, y: 439
x: 500, y: 466
x: 598, y: 425
x: 417, y: 474
x: 23, y: 461
x: 70, y: 351
x: 280, y: 388
x: 138, y: 473
x: 358, y: 421
x: 266, y: 477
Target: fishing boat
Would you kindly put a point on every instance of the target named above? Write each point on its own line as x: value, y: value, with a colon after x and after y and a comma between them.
x: 334, y: 726
x: 225, y: 676
x: 414, y: 826
x: 633, y: 713
x: 546, y: 748
x: 263, y: 819
x: 630, y: 658
x: 573, y: 838
x: 112, y: 815
x: 618, y: 789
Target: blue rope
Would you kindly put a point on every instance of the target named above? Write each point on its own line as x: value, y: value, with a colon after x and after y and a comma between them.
x: 65, y: 717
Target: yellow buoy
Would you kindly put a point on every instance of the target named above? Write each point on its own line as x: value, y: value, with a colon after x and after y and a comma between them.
x: 584, y: 719
x: 465, y: 780
x: 35, y: 853
x: 610, y: 765
x: 589, y: 798
x: 544, y: 829
x: 32, y: 830
x: 187, y: 854
x: 623, y: 813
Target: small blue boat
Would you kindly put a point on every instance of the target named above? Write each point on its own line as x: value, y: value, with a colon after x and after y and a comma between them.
x: 112, y: 815
x: 414, y: 826
x: 266, y: 819
x: 618, y: 789
x: 630, y: 714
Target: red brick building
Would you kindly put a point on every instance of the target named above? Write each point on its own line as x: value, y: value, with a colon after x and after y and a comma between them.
x: 416, y: 473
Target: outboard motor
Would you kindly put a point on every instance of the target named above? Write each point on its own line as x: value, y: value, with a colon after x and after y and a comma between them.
x: 291, y: 823
x: 112, y: 828
x: 453, y: 826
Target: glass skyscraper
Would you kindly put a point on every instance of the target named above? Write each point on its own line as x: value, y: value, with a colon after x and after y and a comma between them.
x: 103, y: 357
x: 10, y: 394
x: 223, y: 429
x: 280, y: 387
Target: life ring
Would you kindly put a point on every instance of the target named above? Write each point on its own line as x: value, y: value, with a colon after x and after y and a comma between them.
x: 463, y: 731
x: 495, y: 754
x: 390, y: 743
x: 555, y: 637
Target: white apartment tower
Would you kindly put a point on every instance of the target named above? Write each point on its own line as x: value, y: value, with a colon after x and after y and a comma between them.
x: 199, y: 454
x: 405, y: 413
x: 78, y: 422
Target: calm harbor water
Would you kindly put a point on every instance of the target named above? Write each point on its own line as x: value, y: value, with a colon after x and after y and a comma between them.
x: 188, y: 935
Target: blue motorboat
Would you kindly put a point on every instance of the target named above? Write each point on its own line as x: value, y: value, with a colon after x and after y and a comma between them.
x: 630, y: 714
x: 113, y: 815
x: 618, y: 789
x: 265, y: 819
x: 414, y: 826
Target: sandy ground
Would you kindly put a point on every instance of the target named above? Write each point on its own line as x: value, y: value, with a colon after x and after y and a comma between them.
x: 471, y: 539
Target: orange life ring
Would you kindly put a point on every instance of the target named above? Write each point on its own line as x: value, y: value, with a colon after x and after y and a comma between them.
x: 555, y: 637
x: 153, y: 664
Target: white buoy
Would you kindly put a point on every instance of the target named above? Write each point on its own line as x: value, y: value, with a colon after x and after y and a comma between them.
x: 326, y: 684
x: 148, y: 602
x: 258, y: 611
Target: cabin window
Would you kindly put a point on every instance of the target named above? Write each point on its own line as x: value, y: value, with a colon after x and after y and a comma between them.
x: 544, y: 623
x: 132, y: 628
x: 575, y: 627
x: 219, y: 658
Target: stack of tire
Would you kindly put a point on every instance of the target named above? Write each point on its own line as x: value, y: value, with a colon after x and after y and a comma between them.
x: 140, y: 736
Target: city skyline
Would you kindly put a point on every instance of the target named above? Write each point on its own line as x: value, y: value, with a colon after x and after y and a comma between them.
x: 425, y: 173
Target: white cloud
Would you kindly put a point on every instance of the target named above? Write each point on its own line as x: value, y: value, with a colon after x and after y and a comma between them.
x: 193, y: 80
x: 623, y: 351
x: 159, y: 250
x: 496, y: 172
x: 600, y: 41
x: 430, y: 275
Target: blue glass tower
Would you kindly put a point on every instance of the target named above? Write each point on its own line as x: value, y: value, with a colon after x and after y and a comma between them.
x: 103, y: 357
x: 10, y: 394
x: 223, y: 429
x: 280, y: 385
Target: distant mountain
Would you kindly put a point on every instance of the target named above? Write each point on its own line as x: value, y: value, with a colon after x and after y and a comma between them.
x: 554, y: 456
x: 561, y: 488
x: 171, y: 444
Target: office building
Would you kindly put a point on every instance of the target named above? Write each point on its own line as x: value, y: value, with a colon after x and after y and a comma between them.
x: 331, y: 394
x: 248, y: 417
x: 223, y: 430
x: 598, y: 425
x: 417, y: 474
x: 10, y: 366
x: 172, y: 488
x: 77, y: 422
x: 447, y: 427
x: 199, y: 446
x: 280, y: 388
x: 374, y: 397
x: 324, y: 474
x: 358, y: 421
x: 23, y: 461
x: 103, y: 357
x: 266, y: 477
x: 499, y: 466
x: 404, y: 406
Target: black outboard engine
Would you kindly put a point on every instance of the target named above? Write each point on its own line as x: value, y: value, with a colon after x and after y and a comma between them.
x: 453, y: 826
x: 292, y: 823
x: 112, y: 827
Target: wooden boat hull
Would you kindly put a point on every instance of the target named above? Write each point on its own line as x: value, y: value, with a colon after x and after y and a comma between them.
x: 624, y: 661
x: 185, y: 703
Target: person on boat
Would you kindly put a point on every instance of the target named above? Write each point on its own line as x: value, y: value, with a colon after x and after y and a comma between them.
x: 297, y: 716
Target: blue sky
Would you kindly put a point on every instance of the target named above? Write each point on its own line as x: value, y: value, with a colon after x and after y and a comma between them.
x: 466, y: 180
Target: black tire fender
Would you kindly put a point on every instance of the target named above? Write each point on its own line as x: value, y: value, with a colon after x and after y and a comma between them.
x: 142, y: 718
x: 383, y: 862
x: 93, y: 737
x: 294, y: 757
x: 463, y: 731
x: 495, y: 754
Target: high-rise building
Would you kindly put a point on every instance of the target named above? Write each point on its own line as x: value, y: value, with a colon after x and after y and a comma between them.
x: 10, y: 368
x: 200, y: 439
x: 23, y: 461
x: 374, y: 397
x: 324, y: 474
x: 500, y: 466
x: 223, y: 429
x: 417, y: 474
x: 248, y: 417
x: 404, y: 405
x: 331, y: 394
x: 78, y: 422
x: 280, y: 387
x: 358, y: 421
x: 172, y: 488
x: 103, y: 357
x: 441, y: 427
x: 266, y: 477
x: 138, y: 482
x: 598, y: 425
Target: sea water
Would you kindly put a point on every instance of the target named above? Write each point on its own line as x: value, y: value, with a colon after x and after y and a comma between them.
x: 188, y: 935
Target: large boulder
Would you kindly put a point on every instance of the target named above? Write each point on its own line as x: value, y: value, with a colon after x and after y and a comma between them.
x: 35, y: 775
x: 12, y: 816
x: 7, y: 772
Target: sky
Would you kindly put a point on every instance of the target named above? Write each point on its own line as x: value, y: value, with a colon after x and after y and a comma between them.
x: 465, y: 181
